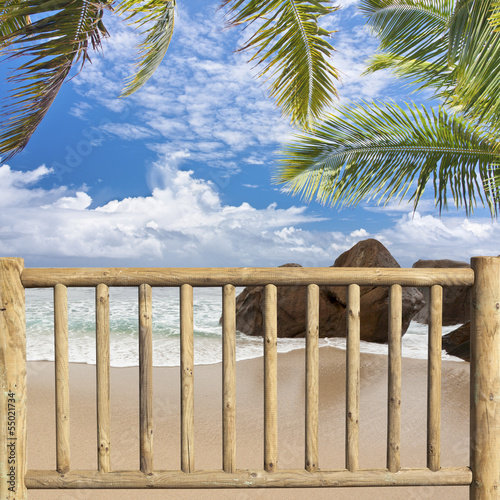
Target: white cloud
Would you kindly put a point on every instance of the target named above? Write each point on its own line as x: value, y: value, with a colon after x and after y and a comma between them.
x: 183, y: 222
x: 127, y: 131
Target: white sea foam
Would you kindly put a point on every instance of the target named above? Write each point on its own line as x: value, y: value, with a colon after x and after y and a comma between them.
x: 166, y: 341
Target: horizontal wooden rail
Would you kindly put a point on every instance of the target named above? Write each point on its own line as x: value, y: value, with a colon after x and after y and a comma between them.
x: 245, y: 276
x: 300, y: 478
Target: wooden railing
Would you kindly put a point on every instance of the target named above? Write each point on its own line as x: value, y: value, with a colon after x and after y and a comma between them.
x: 482, y: 475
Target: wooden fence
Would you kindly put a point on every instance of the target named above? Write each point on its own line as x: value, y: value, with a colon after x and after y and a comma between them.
x: 484, y: 469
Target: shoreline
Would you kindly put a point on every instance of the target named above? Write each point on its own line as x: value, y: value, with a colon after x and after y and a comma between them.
x: 249, y: 423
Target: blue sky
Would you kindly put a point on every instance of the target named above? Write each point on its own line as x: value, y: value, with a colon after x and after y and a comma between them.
x: 179, y: 174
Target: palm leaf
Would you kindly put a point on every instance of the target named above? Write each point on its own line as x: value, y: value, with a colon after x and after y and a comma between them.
x: 477, y: 71
x: 47, y: 50
x: 293, y: 51
x: 388, y: 152
x: 495, y: 15
x: 412, y: 31
x: 9, y: 24
x: 156, y: 17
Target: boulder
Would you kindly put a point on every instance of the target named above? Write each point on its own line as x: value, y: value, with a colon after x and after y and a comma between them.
x: 457, y: 342
x: 456, y: 299
x: 291, y: 302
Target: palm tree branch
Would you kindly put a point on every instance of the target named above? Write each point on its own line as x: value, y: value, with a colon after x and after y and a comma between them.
x: 156, y: 18
x: 411, y: 28
x: 293, y: 51
x: 352, y: 156
x: 48, y: 49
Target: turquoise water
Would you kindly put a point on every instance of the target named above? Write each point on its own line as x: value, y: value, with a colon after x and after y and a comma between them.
x: 166, y: 340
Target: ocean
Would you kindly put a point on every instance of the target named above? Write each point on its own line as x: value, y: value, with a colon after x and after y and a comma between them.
x: 166, y: 338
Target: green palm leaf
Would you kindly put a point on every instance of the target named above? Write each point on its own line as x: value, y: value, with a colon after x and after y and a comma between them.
x: 156, y: 17
x: 412, y: 33
x: 294, y: 52
x: 47, y: 49
x: 477, y: 72
x: 387, y: 152
x: 495, y: 15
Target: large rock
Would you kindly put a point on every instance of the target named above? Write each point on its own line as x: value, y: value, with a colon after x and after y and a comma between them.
x: 332, y: 309
x: 457, y: 342
x: 456, y: 299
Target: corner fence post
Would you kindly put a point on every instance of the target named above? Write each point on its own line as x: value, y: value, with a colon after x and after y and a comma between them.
x: 485, y: 379
x: 13, y: 381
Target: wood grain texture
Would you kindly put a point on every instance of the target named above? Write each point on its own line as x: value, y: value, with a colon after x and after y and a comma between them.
x: 485, y: 379
x: 146, y: 378
x: 394, y: 390
x: 258, y: 478
x: 434, y: 379
x: 270, y: 379
x: 187, y: 379
x: 312, y: 378
x: 353, y: 377
x: 12, y: 380
x: 102, y: 379
x: 61, y: 362
x: 229, y: 378
x: 245, y: 276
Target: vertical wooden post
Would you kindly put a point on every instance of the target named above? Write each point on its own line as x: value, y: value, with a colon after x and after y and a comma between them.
x: 312, y: 377
x: 146, y: 378
x: 13, y: 381
x: 102, y: 379
x: 352, y: 378
x: 485, y: 379
x: 229, y: 378
x: 270, y: 379
x: 434, y: 379
x: 394, y: 390
x: 62, y: 377
x: 187, y: 380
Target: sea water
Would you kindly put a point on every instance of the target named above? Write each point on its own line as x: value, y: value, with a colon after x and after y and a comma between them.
x: 207, y: 311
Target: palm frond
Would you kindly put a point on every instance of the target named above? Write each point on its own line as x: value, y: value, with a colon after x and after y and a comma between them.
x: 10, y: 24
x: 47, y: 49
x: 413, y: 30
x: 370, y: 151
x: 420, y: 73
x: 495, y: 15
x: 156, y: 18
x: 477, y: 70
x: 293, y: 51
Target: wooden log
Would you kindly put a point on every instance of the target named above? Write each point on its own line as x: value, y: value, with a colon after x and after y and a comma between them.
x: 353, y: 377
x: 485, y: 379
x: 245, y: 276
x: 187, y: 380
x: 61, y: 358
x: 270, y: 379
x: 298, y: 478
x: 13, y: 381
x: 229, y: 378
x: 312, y: 378
x: 394, y: 390
x: 146, y: 378
x: 103, y: 379
x: 434, y: 379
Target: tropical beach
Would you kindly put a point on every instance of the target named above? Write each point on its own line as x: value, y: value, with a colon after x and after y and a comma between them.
x: 328, y: 175
x: 249, y: 423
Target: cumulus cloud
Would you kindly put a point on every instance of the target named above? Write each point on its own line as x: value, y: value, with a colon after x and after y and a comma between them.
x: 183, y: 222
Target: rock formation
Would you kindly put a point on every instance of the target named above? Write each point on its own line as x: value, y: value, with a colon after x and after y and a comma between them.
x: 457, y: 342
x: 332, y: 322
x: 456, y: 299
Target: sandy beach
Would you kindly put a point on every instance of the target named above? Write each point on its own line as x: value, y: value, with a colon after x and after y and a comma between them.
x: 208, y: 435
